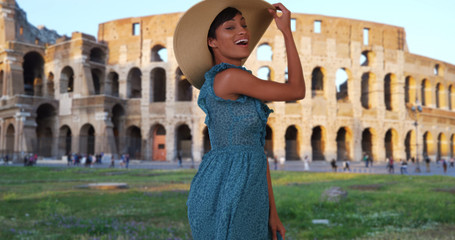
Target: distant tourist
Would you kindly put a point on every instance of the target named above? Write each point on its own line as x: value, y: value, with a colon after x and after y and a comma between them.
x: 306, y: 165
x: 334, y: 165
x: 366, y: 159
x: 346, y: 165
x: 444, y: 165
x: 427, y: 163
x: 404, y: 167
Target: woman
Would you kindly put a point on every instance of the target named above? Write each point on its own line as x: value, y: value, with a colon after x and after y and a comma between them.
x: 231, y: 196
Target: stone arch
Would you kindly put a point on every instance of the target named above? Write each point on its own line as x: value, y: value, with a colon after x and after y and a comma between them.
x: 118, y: 121
x: 440, y: 96
x: 428, y: 145
x: 46, y: 118
x: 134, y: 142
x: 134, y: 83
x: 410, y: 144
x: 318, y: 142
x: 67, y: 80
x: 183, y: 141
x: 451, y: 97
x: 318, y: 81
x: 292, y: 143
x: 10, y: 139
x: 97, y: 55
x: 2, y: 80
x: 264, y: 52
x: 344, y: 144
x: 265, y: 73
x: 184, y: 89
x: 367, y: 58
x: 33, y: 69
x: 158, y: 85
x: 87, y: 139
x: 268, y: 147
x: 113, y: 78
x: 159, y: 53
x: 158, y: 133
x: 343, y: 75
x: 367, y: 85
x: 391, y: 143
x: 410, y: 90
x: 65, y: 140
x: 390, y: 92
x: 368, y: 141
x: 50, y: 84
x: 443, y: 146
x: 97, y: 78
x: 207, y: 145
x: 426, y: 93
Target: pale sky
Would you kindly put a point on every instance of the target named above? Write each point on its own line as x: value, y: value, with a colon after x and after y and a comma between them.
x: 429, y: 24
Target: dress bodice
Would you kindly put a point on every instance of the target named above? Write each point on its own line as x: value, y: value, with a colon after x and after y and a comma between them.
x: 240, y: 122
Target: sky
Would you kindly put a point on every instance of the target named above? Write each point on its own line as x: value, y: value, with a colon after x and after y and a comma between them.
x: 429, y: 24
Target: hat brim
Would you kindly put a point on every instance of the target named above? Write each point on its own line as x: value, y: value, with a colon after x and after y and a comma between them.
x: 190, y: 36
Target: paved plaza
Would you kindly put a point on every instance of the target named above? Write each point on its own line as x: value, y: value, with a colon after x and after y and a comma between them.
x: 317, y: 166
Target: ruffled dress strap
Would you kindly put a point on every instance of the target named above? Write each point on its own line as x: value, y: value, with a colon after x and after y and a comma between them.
x: 207, y: 88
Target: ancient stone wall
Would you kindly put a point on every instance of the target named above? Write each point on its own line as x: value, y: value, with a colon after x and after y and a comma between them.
x: 124, y: 92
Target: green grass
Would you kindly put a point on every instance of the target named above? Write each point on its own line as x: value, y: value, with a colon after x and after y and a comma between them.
x: 45, y: 203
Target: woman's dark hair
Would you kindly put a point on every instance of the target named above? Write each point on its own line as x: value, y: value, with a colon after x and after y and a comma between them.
x: 225, y: 15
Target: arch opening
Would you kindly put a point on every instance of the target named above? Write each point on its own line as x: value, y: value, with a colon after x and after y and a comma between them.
x: 46, y: 119
x: 118, y: 119
x: 33, y: 69
x: 184, y: 141
x: 65, y: 140
x: 67, y: 80
x: 410, y: 90
x: 268, y: 147
x: 158, y: 85
x: 10, y: 140
x: 344, y: 139
x: 134, y: 83
x: 317, y: 82
x: 113, y: 78
x: 87, y: 140
x: 264, y: 52
x: 97, y: 77
x: 184, y: 89
x: 292, y: 143
x: 134, y: 142
x: 367, y: 143
x: 159, y: 54
x: 318, y: 143
x: 97, y: 55
x: 341, y: 81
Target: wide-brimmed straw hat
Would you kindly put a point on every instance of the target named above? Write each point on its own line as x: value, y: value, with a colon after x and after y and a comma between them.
x: 190, y: 36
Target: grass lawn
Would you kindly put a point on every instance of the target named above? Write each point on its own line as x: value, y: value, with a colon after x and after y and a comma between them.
x: 46, y: 203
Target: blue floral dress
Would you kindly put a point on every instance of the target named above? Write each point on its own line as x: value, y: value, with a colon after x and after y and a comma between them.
x: 229, y: 197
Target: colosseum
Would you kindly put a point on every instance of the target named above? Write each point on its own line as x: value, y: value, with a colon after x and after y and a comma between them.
x: 123, y: 92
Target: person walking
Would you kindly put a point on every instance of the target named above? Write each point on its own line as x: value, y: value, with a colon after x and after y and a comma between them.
x: 444, y: 165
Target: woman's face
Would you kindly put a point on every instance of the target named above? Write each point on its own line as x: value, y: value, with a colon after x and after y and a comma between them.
x: 231, y: 43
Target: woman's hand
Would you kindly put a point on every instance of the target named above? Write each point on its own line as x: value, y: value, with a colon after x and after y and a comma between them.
x: 283, y: 22
x: 276, y: 225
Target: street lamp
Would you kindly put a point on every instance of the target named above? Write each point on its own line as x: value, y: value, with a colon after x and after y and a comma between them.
x: 416, y: 108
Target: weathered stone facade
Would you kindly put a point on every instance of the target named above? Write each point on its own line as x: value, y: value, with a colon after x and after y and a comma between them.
x: 125, y: 93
